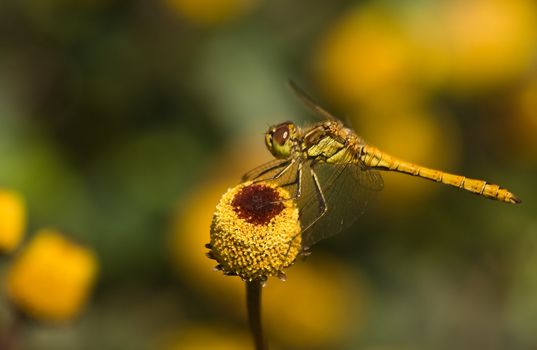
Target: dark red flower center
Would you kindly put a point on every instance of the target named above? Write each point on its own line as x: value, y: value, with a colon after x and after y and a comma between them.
x: 257, y: 204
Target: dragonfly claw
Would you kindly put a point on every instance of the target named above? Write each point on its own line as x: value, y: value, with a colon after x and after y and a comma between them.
x: 305, y: 251
x: 282, y: 276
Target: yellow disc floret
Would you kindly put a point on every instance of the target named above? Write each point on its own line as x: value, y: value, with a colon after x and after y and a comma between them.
x: 255, y: 231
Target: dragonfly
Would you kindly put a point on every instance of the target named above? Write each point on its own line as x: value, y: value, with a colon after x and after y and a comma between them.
x: 333, y: 172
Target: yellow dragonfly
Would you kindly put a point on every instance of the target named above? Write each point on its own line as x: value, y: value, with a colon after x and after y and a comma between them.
x: 333, y: 172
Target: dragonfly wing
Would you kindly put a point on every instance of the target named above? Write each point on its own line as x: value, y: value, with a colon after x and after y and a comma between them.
x: 310, y: 103
x: 347, y: 189
x: 266, y: 170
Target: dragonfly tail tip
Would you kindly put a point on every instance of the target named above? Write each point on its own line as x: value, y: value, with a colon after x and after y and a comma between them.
x: 515, y: 200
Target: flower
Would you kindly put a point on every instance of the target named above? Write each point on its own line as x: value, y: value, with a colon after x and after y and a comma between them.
x: 316, y: 297
x: 380, y: 52
x: 255, y: 231
x: 366, y: 56
x: 51, y: 278
x: 12, y: 220
x: 487, y: 42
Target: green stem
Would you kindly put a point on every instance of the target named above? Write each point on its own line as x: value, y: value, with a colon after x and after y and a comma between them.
x: 253, y: 303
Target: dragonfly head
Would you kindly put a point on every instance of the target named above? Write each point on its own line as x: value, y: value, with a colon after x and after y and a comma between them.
x: 281, y: 139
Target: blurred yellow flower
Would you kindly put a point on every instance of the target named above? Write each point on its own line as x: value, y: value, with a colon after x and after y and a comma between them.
x: 493, y: 40
x: 209, y: 338
x: 52, y: 277
x: 366, y: 55
x: 376, y: 52
x: 12, y: 220
x: 210, y: 12
x: 477, y: 44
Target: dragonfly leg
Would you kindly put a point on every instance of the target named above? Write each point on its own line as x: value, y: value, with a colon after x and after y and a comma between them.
x: 298, y: 182
x: 279, y: 174
x: 258, y: 172
x: 323, y: 207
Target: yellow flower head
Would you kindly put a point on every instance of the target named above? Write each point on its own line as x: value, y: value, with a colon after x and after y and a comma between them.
x: 51, y: 279
x: 255, y: 231
x: 12, y: 220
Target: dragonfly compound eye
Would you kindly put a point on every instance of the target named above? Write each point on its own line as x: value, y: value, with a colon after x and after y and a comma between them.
x: 281, y: 134
x: 278, y: 139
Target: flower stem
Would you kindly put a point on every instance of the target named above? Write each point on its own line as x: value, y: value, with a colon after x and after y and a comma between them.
x: 253, y: 303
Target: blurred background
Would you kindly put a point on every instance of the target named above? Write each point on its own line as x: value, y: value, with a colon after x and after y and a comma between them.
x: 123, y: 122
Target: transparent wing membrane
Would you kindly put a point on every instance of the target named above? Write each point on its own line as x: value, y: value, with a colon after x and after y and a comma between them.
x: 346, y: 190
x: 310, y: 103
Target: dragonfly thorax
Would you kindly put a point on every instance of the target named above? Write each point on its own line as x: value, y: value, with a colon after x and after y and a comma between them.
x: 281, y: 140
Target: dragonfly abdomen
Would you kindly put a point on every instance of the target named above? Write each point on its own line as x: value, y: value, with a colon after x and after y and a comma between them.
x: 374, y: 158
